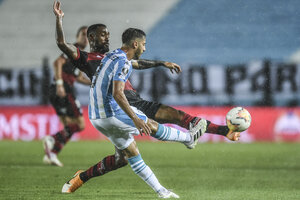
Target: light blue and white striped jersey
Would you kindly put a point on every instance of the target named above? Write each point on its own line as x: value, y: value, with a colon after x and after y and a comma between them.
x: 113, y: 67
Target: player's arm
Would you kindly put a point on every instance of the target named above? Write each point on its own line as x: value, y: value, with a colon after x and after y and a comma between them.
x: 119, y: 96
x: 81, y: 78
x: 69, y: 49
x: 146, y: 64
x: 58, y: 65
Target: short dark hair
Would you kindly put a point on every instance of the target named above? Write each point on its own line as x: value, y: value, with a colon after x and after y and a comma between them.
x: 80, y: 29
x: 131, y: 34
x: 93, y: 28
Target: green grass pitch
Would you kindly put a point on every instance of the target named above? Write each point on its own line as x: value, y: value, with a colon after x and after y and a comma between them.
x: 211, y: 171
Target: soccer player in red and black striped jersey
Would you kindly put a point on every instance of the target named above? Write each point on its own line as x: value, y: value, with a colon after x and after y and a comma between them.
x: 98, y: 37
x: 63, y: 99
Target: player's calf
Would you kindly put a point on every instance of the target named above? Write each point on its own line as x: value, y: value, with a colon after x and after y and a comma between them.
x: 107, y: 164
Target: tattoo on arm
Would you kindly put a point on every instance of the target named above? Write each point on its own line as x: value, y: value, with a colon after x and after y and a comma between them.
x: 68, y: 49
x: 145, y: 64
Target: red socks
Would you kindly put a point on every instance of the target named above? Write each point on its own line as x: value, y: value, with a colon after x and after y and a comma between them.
x: 63, y: 136
x: 106, y: 165
x: 211, y: 127
x: 185, y: 123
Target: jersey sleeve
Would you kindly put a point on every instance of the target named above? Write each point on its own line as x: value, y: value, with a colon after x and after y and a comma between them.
x: 123, y: 71
x: 81, y: 61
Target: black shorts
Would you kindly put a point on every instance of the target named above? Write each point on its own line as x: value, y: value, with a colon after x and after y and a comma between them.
x: 66, y: 106
x: 147, y: 107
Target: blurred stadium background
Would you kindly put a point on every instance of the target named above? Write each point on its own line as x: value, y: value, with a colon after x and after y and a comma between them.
x: 232, y: 52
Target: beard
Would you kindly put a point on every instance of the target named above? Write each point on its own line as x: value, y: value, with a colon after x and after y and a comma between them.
x: 102, y: 48
x: 137, y: 54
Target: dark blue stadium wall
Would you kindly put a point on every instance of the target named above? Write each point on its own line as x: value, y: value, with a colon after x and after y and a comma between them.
x: 226, y: 31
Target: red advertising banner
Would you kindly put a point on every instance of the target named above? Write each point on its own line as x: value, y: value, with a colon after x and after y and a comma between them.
x: 268, y: 124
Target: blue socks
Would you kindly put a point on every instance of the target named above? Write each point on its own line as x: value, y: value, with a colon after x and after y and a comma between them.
x: 142, y: 170
x: 166, y: 133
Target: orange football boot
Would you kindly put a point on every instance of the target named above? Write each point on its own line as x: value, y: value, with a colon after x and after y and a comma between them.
x: 73, y: 184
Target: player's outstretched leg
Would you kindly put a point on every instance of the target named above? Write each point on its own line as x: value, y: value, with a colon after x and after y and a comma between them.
x: 190, y: 138
x: 167, y: 114
x: 107, y: 164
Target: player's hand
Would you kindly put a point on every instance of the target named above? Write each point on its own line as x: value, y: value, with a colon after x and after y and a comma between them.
x: 56, y: 9
x: 60, y: 91
x: 173, y: 67
x: 142, y: 126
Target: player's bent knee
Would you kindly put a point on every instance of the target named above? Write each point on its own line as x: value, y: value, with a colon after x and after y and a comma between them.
x: 131, y: 150
x: 120, y: 159
x: 81, y: 123
x: 81, y: 127
x: 64, y: 120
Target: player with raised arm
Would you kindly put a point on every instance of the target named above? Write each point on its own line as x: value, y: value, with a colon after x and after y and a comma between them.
x: 98, y: 36
x: 62, y: 98
x: 111, y: 114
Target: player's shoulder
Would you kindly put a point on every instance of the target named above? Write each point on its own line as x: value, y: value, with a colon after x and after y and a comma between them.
x: 117, y: 55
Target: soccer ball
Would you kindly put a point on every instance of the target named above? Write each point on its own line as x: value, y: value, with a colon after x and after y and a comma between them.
x: 238, y: 119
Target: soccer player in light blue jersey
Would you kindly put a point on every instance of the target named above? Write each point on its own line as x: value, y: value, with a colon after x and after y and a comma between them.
x: 111, y: 114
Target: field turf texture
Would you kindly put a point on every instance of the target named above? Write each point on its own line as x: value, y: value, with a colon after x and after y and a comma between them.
x: 211, y: 171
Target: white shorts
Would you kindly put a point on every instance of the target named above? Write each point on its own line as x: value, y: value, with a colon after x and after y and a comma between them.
x: 119, y: 129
